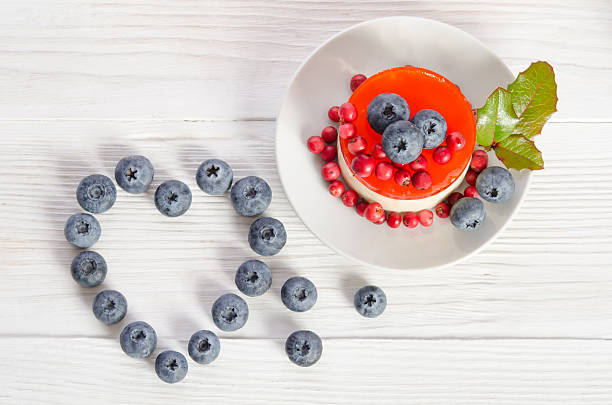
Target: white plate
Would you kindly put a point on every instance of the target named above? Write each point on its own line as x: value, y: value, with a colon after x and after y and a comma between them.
x: 323, y: 81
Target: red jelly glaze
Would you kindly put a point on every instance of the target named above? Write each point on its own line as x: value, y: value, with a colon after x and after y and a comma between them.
x: 421, y: 88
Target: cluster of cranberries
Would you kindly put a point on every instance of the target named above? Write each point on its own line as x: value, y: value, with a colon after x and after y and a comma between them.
x: 364, y: 165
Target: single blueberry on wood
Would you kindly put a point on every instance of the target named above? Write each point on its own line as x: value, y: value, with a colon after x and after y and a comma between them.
x: 299, y: 294
x: 134, y: 174
x: 88, y: 269
x: 267, y: 236
x: 230, y: 312
x: 138, y: 339
x: 170, y: 366
x: 173, y: 198
x: 96, y: 193
x: 253, y: 278
x: 204, y: 347
x: 304, y: 348
x: 251, y: 196
x: 214, y: 177
x: 82, y: 230
x: 370, y: 301
x: 109, y: 306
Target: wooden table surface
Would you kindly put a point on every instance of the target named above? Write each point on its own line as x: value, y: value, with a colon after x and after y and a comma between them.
x: 86, y: 82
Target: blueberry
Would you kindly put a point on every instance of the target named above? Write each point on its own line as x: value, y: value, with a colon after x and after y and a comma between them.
x: 299, y: 294
x: 370, y: 301
x: 214, y: 177
x: 385, y: 109
x: 230, y: 312
x: 253, y: 278
x: 134, y: 174
x: 402, y: 142
x: 304, y: 348
x: 468, y: 213
x: 495, y: 184
x: 96, y: 193
x: 138, y: 339
x: 109, y: 306
x: 171, y: 366
x: 204, y: 347
x: 251, y: 196
x: 173, y: 198
x: 82, y: 230
x: 267, y: 236
x: 88, y: 269
x: 433, y: 127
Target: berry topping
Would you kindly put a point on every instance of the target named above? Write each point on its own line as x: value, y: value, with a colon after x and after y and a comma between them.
x: 329, y: 153
x: 363, y: 165
x: 336, y: 188
x: 470, y: 177
x: 394, y: 220
x: 479, y: 161
x: 402, y: 177
x: 361, y: 207
x: 432, y: 125
x: 357, y: 144
x: 442, y: 210
x: 455, y: 141
x: 347, y: 130
x: 411, y: 219
x: 442, y: 155
x: 350, y: 198
x: 330, y: 171
x: 421, y: 180
x: 384, y: 170
x: 426, y: 217
x: 469, y: 213
x: 402, y: 142
x: 385, y: 109
x: 454, y: 197
x: 316, y: 144
x: 333, y: 113
x: 329, y: 134
x: 470, y: 191
x: 356, y: 81
x: 378, y: 152
x: 347, y: 112
x: 419, y: 163
x: 374, y: 212
x: 495, y: 184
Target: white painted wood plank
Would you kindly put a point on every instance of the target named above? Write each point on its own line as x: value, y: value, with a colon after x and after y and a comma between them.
x: 546, y: 276
x: 233, y: 59
x: 504, y: 372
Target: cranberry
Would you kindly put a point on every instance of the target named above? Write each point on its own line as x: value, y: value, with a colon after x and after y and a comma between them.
x: 356, y: 81
x: 479, y: 160
x: 470, y: 177
x: 350, y: 198
x: 329, y: 153
x: 442, y: 210
x: 374, y: 211
x: 361, y: 207
x: 454, y: 197
x: 398, y: 165
x: 384, y: 170
x: 347, y: 130
x: 402, y: 177
x: 419, y: 163
x: 426, y: 217
x: 394, y: 220
x: 441, y: 155
x: 382, y: 219
x: 330, y: 171
x: 363, y: 165
x: 378, y: 152
x: 315, y: 144
x: 455, y: 141
x: 329, y: 134
x: 470, y: 191
x: 357, y: 144
x: 421, y: 180
x: 333, y: 113
x: 347, y: 112
x: 336, y: 188
x: 411, y: 220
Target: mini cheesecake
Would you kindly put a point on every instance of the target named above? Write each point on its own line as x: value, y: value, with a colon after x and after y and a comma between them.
x: 421, y: 88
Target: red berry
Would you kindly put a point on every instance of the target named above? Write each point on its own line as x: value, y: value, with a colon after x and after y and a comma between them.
x: 455, y: 141
x: 374, y: 211
x: 382, y: 219
x: 421, y: 180
x: 347, y: 130
x: 442, y: 210
x: 479, y: 160
x: 336, y: 188
x: 378, y: 152
x: 402, y: 177
x: 350, y: 198
x: 470, y: 191
x: 363, y: 165
x: 356, y: 81
x: 384, y: 170
x: 426, y: 217
x: 419, y: 163
x: 441, y: 155
x: 411, y: 220
x: 398, y: 165
x: 329, y: 134
x: 361, y: 207
x: 357, y: 144
x: 333, y: 113
x: 347, y: 112
x: 454, y: 197
x: 394, y: 220
x: 470, y: 177
x: 330, y: 171
x: 315, y: 144
x: 329, y: 153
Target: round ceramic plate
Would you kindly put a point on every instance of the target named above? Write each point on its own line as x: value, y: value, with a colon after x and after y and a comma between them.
x: 323, y: 81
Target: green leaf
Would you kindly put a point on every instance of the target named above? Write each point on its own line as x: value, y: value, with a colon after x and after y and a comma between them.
x: 518, y: 152
x: 496, y: 119
x: 534, y: 98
